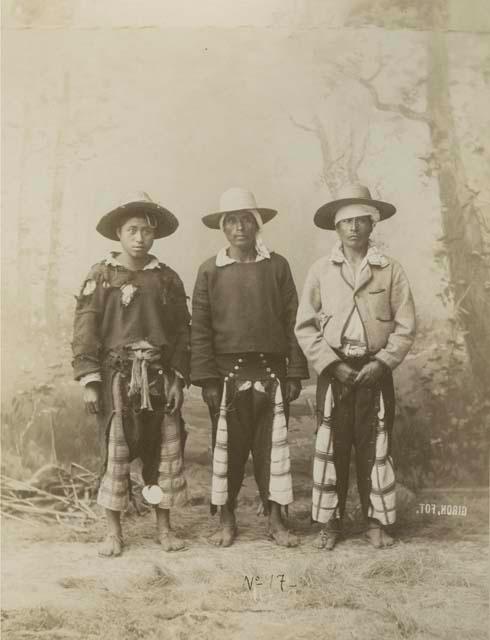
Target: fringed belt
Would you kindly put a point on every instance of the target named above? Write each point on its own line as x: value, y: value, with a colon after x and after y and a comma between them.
x: 139, y: 374
x: 135, y: 361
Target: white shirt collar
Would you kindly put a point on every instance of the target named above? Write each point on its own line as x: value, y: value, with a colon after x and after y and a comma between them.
x: 223, y: 259
x: 114, y: 262
x: 373, y: 255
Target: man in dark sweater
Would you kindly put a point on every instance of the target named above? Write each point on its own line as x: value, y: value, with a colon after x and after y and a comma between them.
x: 246, y: 359
x: 131, y: 354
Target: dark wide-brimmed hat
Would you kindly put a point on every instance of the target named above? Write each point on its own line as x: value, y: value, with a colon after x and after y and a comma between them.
x: 234, y: 200
x: 139, y: 205
x: 350, y: 194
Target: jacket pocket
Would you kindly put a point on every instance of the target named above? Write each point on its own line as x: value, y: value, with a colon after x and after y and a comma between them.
x: 380, y: 306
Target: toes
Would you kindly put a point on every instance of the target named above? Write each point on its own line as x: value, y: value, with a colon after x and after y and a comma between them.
x: 228, y: 537
x: 387, y: 539
x: 111, y: 547
x: 216, y: 539
x: 292, y: 540
x: 283, y: 538
x: 170, y: 542
x: 374, y: 537
x: 326, y: 540
x: 320, y: 541
x: 178, y: 545
x: 224, y: 537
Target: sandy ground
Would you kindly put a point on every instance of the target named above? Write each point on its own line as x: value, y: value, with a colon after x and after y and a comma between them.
x: 432, y: 584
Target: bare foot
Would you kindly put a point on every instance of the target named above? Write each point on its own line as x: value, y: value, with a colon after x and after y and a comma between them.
x: 112, y: 546
x: 170, y: 541
x: 326, y: 539
x: 281, y: 536
x: 387, y: 540
x: 225, y: 536
x: 374, y: 536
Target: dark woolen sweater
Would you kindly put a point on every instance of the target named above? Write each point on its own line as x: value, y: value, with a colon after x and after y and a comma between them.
x: 244, y: 307
x: 117, y: 307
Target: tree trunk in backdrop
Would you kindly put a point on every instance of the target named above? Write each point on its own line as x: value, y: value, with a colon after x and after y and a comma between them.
x: 463, y: 224
x: 465, y: 227
x: 51, y: 295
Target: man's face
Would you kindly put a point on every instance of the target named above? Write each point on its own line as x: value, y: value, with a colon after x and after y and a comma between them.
x: 240, y: 229
x: 136, y: 237
x: 355, y: 232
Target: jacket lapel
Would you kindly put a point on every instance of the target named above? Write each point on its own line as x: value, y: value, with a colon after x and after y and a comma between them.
x: 364, y: 277
x: 347, y: 274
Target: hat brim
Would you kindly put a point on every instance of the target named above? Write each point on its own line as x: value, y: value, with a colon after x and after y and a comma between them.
x: 325, y: 216
x: 212, y: 219
x: 166, y: 222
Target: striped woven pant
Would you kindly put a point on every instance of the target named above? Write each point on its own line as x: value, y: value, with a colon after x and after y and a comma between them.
x: 114, y: 487
x: 359, y: 418
x: 252, y: 420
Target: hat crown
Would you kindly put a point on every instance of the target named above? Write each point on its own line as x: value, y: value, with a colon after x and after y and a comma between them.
x: 236, y: 198
x: 137, y: 203
x: 354, y: 191
x: 135, y: 196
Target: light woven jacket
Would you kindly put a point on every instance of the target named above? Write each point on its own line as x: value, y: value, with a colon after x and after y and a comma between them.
x: 383, y: 300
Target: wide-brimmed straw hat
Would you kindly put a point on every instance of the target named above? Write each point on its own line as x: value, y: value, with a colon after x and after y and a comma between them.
x: 350, y: 194
x: 140, y: 204
x: 233, y: 200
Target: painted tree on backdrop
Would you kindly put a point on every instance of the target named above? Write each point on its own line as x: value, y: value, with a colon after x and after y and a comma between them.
x: 465, y: 244
x: 466, y: 232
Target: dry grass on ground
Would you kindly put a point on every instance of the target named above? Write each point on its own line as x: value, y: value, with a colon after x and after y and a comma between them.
x: 432, y: 584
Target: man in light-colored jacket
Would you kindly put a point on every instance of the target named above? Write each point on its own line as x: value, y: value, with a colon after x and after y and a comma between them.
x: 355, y: 324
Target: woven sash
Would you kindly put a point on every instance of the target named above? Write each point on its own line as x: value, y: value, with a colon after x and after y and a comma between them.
x: 324, y: 493
x: 280, y: 481
x: 382, y: 497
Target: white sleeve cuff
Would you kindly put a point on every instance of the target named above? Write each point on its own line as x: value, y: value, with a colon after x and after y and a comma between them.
x: 90, y: 377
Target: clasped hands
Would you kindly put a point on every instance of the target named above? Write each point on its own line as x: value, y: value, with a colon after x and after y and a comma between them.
x: 366, y: 377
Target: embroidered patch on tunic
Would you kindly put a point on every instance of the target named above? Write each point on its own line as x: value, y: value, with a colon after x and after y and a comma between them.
x: 128, y: 291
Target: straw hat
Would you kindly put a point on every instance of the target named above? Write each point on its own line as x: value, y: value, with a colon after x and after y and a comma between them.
x: 139, y: 204
x: 237, y: 199
x: 350, y: 194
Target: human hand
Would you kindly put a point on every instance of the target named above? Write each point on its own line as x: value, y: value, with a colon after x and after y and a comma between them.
x: 211, y: 395
x: 293, y: 389
x: 344, y: 373
x: 175, y: 396
x: 369, y: 374
x: 91, y: 397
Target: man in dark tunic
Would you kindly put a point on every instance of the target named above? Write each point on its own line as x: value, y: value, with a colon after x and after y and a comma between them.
x: 356, y: 323
x: 247, y: 361
x: 131, y: 354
